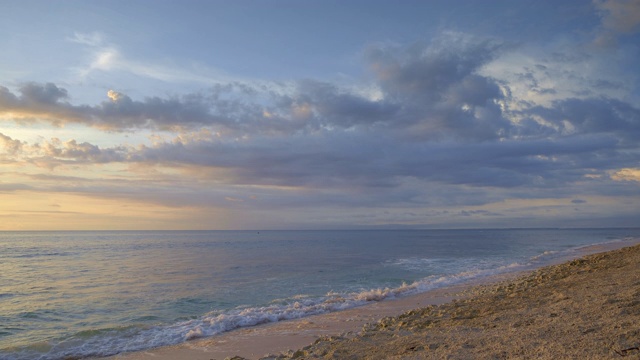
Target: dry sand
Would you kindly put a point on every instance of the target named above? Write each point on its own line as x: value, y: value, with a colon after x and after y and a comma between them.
x: 587, y: 308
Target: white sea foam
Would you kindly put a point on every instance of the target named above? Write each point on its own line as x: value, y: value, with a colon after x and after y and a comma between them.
x: 218, y: 323
x: 544, y: 255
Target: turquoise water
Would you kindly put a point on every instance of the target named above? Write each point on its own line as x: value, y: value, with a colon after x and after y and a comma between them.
x: 78, y: 294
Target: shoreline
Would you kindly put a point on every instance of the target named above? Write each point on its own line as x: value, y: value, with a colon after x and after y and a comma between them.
x: 280, y: 337
x: 274, y: 338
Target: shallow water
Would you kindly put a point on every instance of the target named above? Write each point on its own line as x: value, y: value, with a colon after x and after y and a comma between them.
x: 99, y: 293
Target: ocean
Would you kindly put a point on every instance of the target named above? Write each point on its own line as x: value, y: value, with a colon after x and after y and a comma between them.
x: 79, y: 294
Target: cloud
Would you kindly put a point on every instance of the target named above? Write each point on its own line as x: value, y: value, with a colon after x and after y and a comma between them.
x: 90, y: 39
x: 114, y: 95
x: 44, y: 94
x: 626, y: 174
x: 226, y: 107
x: 105, y: 60
x: 425, y: 92
x: 621, y: 16
x: 368, y: 163
x: 592, y: 116
x: 439, y: 88
x: 618, y: 17
x: 348, y: 170
x: 104, y: 57
x: 332, y: 106
x: 436, y: 119
x: 39, y: 101
x: 478, y: 213
x: 440, y: 129
x: 55, y: 152
x: 426, y: 72
x: 43, y: 102
x: 10, y: 145
x: 83, y: 152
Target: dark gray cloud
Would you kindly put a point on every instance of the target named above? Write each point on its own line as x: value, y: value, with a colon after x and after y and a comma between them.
x: 439, y: 89
x: 234, y: 107
x: 72, y: 151
x: 37, y: 100
x: 336, y: 107
x: 599, y: 115
x: 427, y: 72
x: 44, y: 94
x: 45, y: 102
x: 372, y: 163
x: 478, y: 213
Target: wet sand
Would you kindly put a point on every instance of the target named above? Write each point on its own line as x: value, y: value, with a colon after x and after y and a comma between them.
x: 587, y: 308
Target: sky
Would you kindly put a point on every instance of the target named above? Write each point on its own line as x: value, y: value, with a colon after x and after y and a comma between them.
x: 307, y: 114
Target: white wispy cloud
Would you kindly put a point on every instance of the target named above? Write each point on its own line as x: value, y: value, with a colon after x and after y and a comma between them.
x: 108, y: 57
x: 91, y: 39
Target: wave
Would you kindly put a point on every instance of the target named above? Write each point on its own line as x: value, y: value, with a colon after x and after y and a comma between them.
x: 37, y: 254
x: 111, y: 341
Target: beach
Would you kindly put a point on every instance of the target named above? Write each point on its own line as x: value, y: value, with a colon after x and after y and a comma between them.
x: 214, y: 295
x: 586, y: 308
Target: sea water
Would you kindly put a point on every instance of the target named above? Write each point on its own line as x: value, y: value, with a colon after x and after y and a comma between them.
x: 80, y: 294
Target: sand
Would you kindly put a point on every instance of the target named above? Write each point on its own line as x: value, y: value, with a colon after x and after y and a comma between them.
x: 588, y: 308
